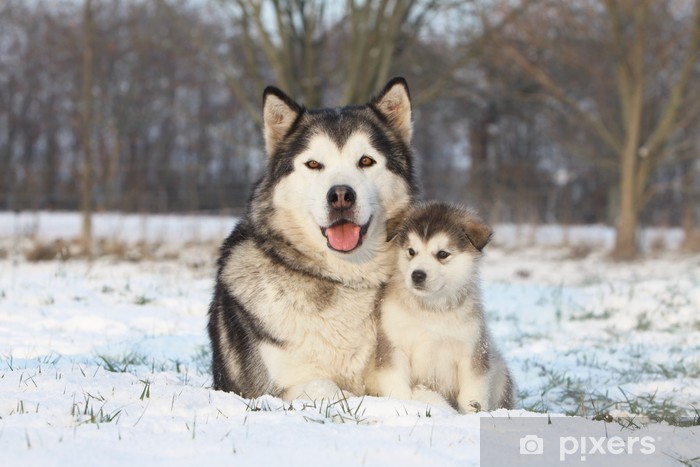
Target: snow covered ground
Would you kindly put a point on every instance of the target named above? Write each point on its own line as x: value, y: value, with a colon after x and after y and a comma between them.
x: 106, y: 362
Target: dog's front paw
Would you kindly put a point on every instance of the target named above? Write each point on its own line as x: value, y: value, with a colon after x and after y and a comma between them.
x: 316, y: 390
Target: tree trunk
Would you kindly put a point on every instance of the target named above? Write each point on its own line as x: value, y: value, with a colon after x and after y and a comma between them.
x: 86, y: 191
x: 626, y: 247
x: 626, y: 234
x: 691, y: 233
x: 481, y: 179
x: 631, y: 84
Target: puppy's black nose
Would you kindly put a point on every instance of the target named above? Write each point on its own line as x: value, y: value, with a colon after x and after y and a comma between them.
x: 418, y: 277
x: 341, y: 197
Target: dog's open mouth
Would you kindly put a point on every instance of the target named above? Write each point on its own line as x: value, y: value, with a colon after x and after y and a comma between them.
x: 344, y: 236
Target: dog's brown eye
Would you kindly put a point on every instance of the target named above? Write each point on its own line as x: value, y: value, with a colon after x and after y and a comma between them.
x: 442, y: 254
x: 366, y: 161
x: 314, y: 165
x: 411, y: 252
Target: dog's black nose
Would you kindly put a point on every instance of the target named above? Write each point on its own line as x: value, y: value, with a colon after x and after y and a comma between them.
x: 341, y: 197
x: 418, y: 276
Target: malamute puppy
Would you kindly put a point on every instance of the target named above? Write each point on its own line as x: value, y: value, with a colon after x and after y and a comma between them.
x: 292, y: 313
x: 432, y: 332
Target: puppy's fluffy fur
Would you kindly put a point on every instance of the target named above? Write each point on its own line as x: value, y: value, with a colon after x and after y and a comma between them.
x: 433, y: 343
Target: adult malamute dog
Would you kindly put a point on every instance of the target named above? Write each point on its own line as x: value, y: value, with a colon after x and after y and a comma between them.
x: 297, y: 281
x: 432, y: 334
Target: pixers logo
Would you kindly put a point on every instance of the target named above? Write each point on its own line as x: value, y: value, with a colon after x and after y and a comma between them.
x: 615, y: 445
x: 531, y: 444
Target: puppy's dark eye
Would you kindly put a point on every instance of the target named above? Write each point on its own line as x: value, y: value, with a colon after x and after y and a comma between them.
x: 411, y: 252
x: 314, y: 165
x: 366, y: 161
x: 442, y: 254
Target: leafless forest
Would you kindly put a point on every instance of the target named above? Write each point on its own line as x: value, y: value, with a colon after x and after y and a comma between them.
x: 537, y: 111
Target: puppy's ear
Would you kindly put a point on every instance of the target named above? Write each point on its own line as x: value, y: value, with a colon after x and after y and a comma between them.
x: 279, y: 114
x: 394, y: 103
x: 395, y: 226
x: 478, y: 233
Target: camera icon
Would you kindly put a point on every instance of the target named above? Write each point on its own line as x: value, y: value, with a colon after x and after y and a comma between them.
x: 531, y: 444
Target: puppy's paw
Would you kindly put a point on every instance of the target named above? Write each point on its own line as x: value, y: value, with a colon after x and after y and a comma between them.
x: 471, y: 407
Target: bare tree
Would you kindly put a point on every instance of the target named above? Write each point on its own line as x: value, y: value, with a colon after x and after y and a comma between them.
x: 652, y: 72
x: 309, y: 44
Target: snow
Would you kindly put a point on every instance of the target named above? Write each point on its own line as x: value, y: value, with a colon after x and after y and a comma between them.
x: 127, y: 227
x: 577, y: 330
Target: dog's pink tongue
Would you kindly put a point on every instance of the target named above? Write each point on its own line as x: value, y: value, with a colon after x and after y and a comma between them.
x: 343, y: 237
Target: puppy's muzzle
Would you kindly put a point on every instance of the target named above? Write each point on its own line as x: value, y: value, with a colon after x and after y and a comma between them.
x: 418, y: 277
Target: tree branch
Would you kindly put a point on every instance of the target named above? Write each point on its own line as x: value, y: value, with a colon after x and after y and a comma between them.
x: 594, y: 124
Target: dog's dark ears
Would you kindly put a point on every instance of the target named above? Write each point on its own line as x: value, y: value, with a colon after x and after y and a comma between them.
x: 280, y: 112
x: 394, y: 104
x: 478, y: 233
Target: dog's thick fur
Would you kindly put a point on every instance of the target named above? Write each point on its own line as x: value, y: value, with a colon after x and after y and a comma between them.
x: 432, y: 336
x: 298, y: 278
